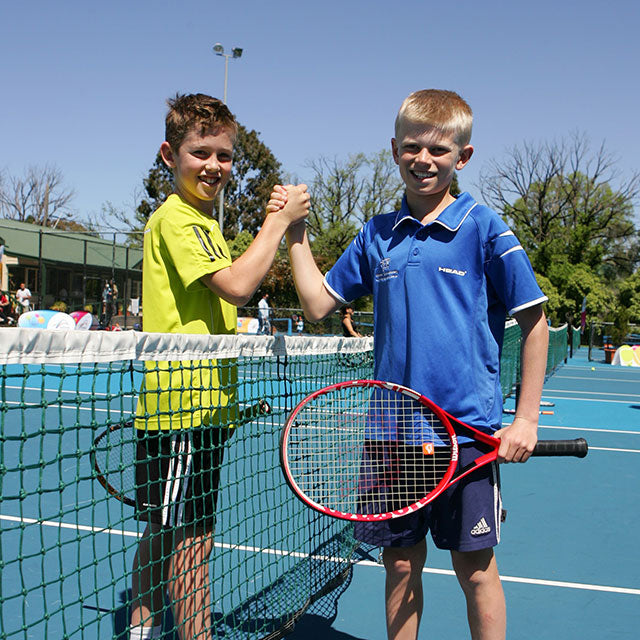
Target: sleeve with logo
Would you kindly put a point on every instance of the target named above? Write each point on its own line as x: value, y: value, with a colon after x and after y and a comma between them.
x: 194, y: 249
x: 350, y: 277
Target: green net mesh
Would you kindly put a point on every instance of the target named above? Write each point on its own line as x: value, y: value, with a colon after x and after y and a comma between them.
x: 558, y: 348
x: 68, y: 401
x: 67, y: 545
x: 510, y: 358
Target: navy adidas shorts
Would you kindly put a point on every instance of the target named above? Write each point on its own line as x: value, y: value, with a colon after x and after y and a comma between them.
x: 466, y: 517
x: 177, y: 476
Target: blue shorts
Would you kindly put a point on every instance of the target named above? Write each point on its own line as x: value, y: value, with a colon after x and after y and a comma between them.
x: 466, y: 517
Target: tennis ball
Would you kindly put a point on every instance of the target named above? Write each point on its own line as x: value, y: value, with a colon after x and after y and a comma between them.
x: 593, y: 368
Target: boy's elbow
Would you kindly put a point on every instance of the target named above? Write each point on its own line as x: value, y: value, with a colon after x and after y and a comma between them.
x: 312, y: 316
x: 318, y: 311
x: 229, y: 289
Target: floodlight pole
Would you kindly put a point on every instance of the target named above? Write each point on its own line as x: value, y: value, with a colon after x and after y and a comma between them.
x: 218, y: 49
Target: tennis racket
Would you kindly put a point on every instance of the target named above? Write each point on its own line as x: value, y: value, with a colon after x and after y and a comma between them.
x: 113, y: 455
x: 366, y: 450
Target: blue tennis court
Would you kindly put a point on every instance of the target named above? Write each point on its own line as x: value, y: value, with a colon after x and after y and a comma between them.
x: 567, y: 554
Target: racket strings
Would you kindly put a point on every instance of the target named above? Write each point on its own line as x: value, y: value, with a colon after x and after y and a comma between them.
x: 364, y: 450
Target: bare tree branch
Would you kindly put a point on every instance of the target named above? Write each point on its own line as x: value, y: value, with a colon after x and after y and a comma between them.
x: 39, y: 197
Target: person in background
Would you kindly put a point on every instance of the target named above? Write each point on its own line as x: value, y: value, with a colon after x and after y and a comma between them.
x: 263, y: 315
x: 5, y: 309
x: 114, y: 297
x: 349, y: 328
x: 107, y: 304
x: 23, y: 296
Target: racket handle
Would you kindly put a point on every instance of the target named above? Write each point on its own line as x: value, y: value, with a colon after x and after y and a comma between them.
x: 577, y: 448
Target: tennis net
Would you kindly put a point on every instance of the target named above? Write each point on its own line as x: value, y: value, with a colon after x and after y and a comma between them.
x: 67, y: 402
x: 67, y: 545
x: 558, y: 348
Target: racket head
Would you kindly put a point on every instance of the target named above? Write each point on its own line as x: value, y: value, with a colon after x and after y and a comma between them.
x: 113, y: 462
x: 367, y: 450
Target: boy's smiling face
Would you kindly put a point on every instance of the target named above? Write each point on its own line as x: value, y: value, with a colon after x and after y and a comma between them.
x: 201, y: 166
x: 427, y: 159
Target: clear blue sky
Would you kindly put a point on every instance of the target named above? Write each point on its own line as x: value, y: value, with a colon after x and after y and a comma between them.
x: 83, y: 84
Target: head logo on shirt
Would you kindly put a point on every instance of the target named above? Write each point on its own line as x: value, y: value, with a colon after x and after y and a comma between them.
x: 454, y: 272
x: 384, y: 271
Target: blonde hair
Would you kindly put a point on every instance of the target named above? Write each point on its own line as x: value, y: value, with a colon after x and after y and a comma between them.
x: 198, y: 112
x: 443, y: 110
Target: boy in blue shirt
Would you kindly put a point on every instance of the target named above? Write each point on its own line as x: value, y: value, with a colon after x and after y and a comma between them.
x: 444, y: 272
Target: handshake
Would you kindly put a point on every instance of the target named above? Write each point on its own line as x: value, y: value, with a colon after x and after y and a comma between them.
x: 290, y: 201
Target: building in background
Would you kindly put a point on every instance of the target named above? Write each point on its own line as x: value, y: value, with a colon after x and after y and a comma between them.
x: 67, y: 266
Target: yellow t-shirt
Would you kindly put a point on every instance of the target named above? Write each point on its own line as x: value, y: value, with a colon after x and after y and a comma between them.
x: 182, y: 244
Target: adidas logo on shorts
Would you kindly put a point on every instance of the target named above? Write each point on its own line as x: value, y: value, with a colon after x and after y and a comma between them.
x: 481, y: 528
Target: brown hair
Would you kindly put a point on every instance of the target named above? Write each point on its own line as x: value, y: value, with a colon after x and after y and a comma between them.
x: 444, y: 110
x: 195, y: 112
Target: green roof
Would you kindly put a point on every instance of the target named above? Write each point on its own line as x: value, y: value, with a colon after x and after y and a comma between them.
x: 27, y: 240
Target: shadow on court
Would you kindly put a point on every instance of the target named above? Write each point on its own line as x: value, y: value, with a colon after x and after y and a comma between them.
x: 301, y: 604
x: 313, y: 627
x: 309, y: 627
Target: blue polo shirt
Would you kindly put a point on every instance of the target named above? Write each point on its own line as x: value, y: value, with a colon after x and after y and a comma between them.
x: 441, y: 294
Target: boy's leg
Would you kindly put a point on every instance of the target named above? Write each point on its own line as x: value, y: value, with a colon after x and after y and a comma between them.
x: 150, y: 570
x: 466, y: 521
x: 189, y: 586
x: 403, y: 589
x: 477, y: 572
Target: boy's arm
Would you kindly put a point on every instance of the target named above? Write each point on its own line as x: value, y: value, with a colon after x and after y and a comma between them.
x: 237, y: 283
x: 520, y: 437
x: 317, y: 303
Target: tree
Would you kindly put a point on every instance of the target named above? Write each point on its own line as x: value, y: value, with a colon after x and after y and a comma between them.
x: 629, y: 294
x: 560, y: 200
x: 345, y: 195
x: 158, y: 186
x: 39, y: 197
x: 255, y: 172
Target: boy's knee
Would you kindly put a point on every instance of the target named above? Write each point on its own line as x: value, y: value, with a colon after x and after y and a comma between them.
x: 403, y: 561
x: 475, y: 569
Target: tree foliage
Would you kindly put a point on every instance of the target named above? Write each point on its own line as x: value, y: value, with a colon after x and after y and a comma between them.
x: 345, y: 194
x: 573, y: 212
x: 560, y: 200
x: 255, y: 172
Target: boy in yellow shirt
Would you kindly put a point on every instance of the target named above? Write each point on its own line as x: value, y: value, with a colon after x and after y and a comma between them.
x: 190, y: 285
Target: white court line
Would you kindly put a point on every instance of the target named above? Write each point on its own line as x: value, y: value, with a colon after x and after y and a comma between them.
x: 602, y: 400
x: 546, y: 583
x: 368, y: 563
x: 601, y: 430
x: 630, y: 381
x: 591, y: 393
x: 66, y: 391
x: 612, y: 449
x: 71, y: 407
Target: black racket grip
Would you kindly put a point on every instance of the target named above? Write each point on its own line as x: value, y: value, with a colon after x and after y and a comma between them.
x: 578, y: 448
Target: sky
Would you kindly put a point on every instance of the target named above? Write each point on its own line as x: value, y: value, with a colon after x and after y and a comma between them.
x: 83, y: 84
